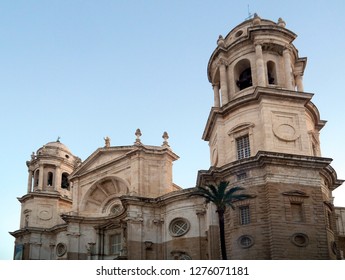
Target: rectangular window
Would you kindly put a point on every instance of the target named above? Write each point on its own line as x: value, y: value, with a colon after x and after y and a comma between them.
x: 115, y: 244
x: 244, y: 215
x: 297, y: 212
x: 243, y: 147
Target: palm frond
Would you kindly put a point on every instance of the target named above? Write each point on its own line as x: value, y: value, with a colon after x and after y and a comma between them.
x: 220, y: 194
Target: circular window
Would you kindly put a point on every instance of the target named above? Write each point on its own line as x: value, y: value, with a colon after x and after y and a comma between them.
x: 238, y: 33
x: 116, y: 209
x: 246, y: 241
x: 300, y: 239
x: 61, y: 249
x: 185, y: 257
x: 179, y: 227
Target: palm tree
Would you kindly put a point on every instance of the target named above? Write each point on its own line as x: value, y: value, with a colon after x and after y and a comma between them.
x: 222, y: 197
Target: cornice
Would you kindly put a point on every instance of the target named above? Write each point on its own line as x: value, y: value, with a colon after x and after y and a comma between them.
x: 129, y: 151
x: 44, y: 194
x: 29, y: 230
x: 100, y: 220
x: 158, y: 201
x: 263, y: 158
x: 250, y: 98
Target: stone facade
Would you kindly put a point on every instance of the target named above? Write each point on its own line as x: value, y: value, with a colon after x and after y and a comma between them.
x: 263, y: 133
x: 340, y: 228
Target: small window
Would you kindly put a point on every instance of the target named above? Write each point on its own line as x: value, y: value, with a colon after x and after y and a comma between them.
x: 238, y: 33
x: 179, y: 227
x: 115, y: 244
x: 37, y: 176
x: 245, y: 241
x: 61, y: 249
x: 244, y: 215
x: 271, y: 73
x: 116, y: 209
x: 245, y: 79
x: 185, y: 257
x: 64, y: 181
x: 297, y: 212
x: 300, y: 239
x: 50, y: 179
x: 243, y: 147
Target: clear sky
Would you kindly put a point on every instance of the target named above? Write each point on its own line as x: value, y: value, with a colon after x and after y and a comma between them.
x: 82, y: 70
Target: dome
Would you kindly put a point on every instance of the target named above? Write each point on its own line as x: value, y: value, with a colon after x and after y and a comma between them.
x: 55, y: 148
x: 58, y: 145
x: 271, y: 36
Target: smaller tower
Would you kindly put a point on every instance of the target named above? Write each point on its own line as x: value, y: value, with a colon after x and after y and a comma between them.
x: 49, y: 169
x: 48, y: 195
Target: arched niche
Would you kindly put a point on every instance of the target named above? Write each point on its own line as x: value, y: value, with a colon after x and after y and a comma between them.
x: 243, y: 74
x: 271, y: 73
x: 103, y: 194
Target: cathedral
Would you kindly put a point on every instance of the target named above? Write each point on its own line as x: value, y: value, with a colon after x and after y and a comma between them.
x: 263, y: 134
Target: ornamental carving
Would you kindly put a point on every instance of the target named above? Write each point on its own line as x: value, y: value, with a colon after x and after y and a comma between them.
x: 285, y: 131
x: 45, y: 213
x: 285, y: 126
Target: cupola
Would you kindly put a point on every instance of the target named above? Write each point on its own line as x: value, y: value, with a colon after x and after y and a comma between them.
x: 49, y: 168
x: 257, y: 52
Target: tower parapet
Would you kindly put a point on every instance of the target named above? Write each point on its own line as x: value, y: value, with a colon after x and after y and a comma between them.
x: 257, y: 52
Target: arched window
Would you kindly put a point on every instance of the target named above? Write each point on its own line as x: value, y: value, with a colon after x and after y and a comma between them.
x: 50, y: 179
x: 64, y: 181
x: 243, y: 74
x: 271, y: 73
x: 36, y: 178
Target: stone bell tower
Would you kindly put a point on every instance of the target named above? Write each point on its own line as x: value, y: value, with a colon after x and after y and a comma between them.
x: 49, y: 194
x: 263, y: 133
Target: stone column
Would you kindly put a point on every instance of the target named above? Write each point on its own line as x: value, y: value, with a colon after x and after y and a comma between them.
x: 299, y: 81
x: 288, y: 69
x: 30, y: 181
x: 40, y: 178
x: 135, y: 174
x: 57, y: 181
x: 223, y: 84
x: 260, y: 68
x: 231, y: 82
x: 201, y: 216
x: 216, y: 95
x: 75, y: 195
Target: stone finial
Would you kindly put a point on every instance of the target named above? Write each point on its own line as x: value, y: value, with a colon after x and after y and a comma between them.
x: 107, y: 142
x: 256, y: 19
x: 281, y: 22
x: 138, y: 134
x: 220, y: 41
x: 165, y: 137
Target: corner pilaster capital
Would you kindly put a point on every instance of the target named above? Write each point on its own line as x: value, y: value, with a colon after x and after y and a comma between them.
x: 222, y: 62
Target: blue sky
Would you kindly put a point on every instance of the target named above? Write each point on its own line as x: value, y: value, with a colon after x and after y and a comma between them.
x: 83, y: 70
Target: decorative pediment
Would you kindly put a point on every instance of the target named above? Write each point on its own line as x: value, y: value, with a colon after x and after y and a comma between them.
x: 241, y: 127
x: 295, y: 193
x: 101, y: 158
